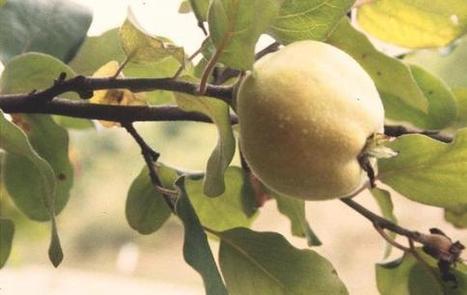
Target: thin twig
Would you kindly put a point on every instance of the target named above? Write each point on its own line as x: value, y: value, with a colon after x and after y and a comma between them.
x: 427, y: 240
x: 396, y: 131
x: 212, y: 63
x: 389, y: 240
x: 190, y: 58
x: 381, y: 222
x: 122, y: 66
x: 150, y: 157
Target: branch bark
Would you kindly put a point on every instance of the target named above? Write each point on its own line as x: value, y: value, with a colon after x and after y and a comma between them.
x: 396, y: 131
x: 117, y: 113
x: 150, y: 157
x: 84, y: 86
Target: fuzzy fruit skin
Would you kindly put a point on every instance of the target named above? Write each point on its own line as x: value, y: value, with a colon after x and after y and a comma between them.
x: 305, y: 113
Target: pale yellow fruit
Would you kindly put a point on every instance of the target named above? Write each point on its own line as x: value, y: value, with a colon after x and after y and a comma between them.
x: 305, y: 113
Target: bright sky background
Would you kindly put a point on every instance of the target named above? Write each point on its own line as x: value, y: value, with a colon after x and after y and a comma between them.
x: 159, y: 17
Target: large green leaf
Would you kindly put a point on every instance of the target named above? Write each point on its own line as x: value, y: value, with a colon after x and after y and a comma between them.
x: 235, y: 26
x: 407, y: 276
x: 139, y: 46
x: 409, y: 93
x: 28, y: 178
x: 200, y: 9
x: 30, y: 71
x: 461, y: 97
x: 457, y: 216
x: 146, y: 210
x: 266, y: 262
x: 415, y: 23
x: 7, y: 230
x: 442, y: 108
x: 56, y: 27
x: 294, y: 209
x: 224, y: 212
x: 451, y: 65
x: 196, y: 249
x: 394, y: 80
x: 31, y: 181
x: 308, y: 19
x: 51, y: 142
x: 428, y: 171
x: 97, y: 51
x: 223, y: 153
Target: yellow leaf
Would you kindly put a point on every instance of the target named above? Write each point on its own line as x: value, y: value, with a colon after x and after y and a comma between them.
x: 415, y: 23
x: 114, y: 96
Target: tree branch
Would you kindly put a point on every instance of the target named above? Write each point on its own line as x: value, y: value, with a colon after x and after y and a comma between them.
x: 84, y: 86
x: 117, y: 113
x: 150, y: 157
x: 396, y: 131
x: 436, y: 244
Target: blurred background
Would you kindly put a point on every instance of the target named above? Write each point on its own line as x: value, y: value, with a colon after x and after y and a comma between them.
x: 103, y: 254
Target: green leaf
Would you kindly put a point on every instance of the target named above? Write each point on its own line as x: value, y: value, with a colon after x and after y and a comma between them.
x: 97, y: 51
x: 428, y: 171
x: 7, y: 230
x: 146, y: 210
x: 141, y: 47
x: 196, y: 249
x: 294, y: 209
x: 223, y: 153
x: 51, y: 142
x: 185, y: 7
x: 415, y: 23
x: 161, y: 69
x: 30, y: 180
x: 252, y: 261
x: 235, y: 26
x: 200, y: 9
x: 30, y: 71
x: 461, y: 97
x: 22, y: 165
x: 407, y: 276
x: 450, y: 65
x: 394, y: 80
x: 384, y: 201
x: 457, y: 216
x: 2, y: 2
x: 56, y: 27
x: 55, y: 248
x: 225, y: 211
x: 442, y: 108
x: 308, y: 19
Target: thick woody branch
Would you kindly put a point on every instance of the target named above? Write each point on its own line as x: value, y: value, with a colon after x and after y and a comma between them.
x: 84, y: 86
x: 85, y: 110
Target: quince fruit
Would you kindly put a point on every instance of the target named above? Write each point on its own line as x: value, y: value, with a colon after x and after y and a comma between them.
x: 307, y: 113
